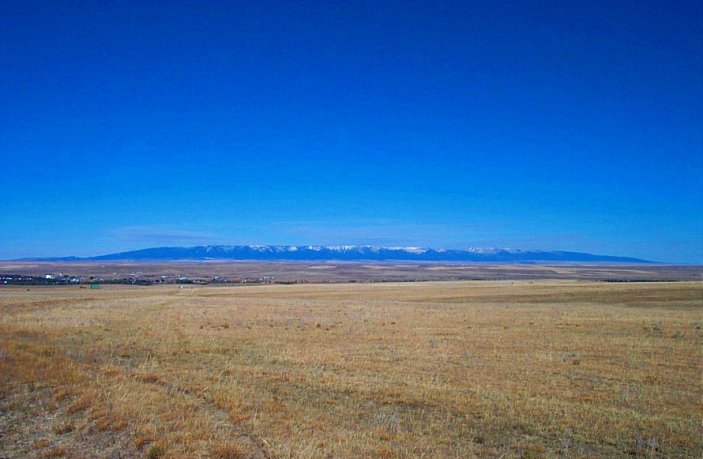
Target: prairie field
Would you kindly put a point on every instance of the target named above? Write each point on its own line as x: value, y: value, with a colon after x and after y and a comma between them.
x: 424, y: 369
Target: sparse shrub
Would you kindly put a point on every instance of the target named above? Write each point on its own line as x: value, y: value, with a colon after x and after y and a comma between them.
x: 624, y: 395
x: 565, y: 444
x: 649, y: 447
x: 103, y: 421
x: 388, y: 420
x: 149, y: 377
x: 56, y: 451
x: 385, y: 452
x: 573, y: 358
x: 61, y: 394
x: 42, y: 443
x: 228, y: 451
x: 78, y: 405
x: 46, y: 352
x: 655, y: 329
x: 155, y: 452
x: 63, y: 428
x: 533, y: 452
x: 141, y: 442
x: 118, y: 424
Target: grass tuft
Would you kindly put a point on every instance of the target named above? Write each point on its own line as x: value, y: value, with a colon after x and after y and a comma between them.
x: 155, y: 452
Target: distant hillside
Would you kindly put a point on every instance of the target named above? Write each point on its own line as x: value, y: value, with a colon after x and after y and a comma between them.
x: 352, y: 253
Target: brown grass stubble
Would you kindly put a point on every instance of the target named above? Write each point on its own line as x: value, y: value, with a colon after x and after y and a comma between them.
x: 450, y: 369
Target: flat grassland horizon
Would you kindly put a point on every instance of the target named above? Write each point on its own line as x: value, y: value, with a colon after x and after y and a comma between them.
x: 544, y: 368
x: 341, y: 271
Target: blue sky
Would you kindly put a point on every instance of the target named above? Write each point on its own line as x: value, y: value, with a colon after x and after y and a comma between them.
x: 553, y: 125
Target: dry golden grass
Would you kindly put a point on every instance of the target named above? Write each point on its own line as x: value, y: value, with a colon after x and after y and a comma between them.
x: 446, y: 369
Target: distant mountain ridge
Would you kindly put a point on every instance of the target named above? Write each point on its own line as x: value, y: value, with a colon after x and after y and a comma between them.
x: 349, y: 253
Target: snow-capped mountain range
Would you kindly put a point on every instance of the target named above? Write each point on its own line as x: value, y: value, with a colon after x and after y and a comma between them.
x: 352, y: 253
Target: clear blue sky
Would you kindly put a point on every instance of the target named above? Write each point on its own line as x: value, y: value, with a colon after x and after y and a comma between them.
x: 565, y: 125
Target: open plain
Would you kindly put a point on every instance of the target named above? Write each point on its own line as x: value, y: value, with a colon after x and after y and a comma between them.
x: 253, y: 272
x: 542, y: 368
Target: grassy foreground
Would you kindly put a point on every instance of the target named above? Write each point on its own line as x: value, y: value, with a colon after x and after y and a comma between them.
x: 445, y: 369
